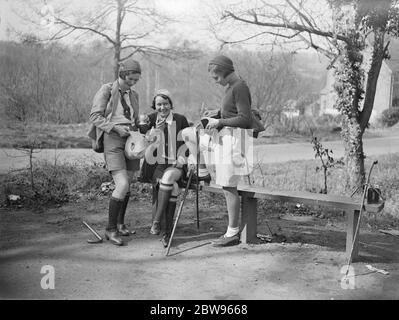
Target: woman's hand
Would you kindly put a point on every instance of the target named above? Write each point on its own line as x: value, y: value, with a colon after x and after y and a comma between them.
x: 123, y: 131
x: 212, y: 123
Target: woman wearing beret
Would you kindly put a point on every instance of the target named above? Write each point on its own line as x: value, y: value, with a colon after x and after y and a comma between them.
x: 167, y: 166
x: 114, y: 113
x: 235, y: 113
x: 225, y: 137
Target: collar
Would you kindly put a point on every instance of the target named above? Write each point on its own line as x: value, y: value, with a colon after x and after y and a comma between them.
x: 123, y: 91
x: 169, y: 118
x: 231, y: 79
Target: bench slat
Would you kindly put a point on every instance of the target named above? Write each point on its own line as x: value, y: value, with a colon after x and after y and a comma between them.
x: 336, y: 201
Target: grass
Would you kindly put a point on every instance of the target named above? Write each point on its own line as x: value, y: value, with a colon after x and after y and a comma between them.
x: 48, y: 136
x: 55, y: 184
x: 302, y: 176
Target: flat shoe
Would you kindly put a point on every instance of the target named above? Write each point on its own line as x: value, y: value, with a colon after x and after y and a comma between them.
x: 113, y: 237
x: 124, y: 231
x: 165, y: 240
x: 155, y: 228
x: 227, y: 241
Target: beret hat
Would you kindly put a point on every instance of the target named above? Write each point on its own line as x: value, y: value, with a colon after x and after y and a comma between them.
x: 223, y: 61
x: 130, y: 65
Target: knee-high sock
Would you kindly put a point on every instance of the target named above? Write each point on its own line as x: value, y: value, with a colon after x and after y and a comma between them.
x: 165, y: 190
x: 155, y: 189
x: 113, y: 212
x: 122, y: 211
x: 170, y: 212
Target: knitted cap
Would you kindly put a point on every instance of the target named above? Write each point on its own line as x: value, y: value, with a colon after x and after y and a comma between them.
x: 223, y: 62
x: 130, y: 65
x: 163, y: 92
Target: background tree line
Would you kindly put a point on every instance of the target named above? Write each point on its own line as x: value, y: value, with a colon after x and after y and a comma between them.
x: 53, y: 83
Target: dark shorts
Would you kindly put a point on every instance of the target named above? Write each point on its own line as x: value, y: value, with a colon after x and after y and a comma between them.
x: 114, y: 153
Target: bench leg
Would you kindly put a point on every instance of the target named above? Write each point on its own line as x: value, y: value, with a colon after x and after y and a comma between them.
x: 353, y: 218
x: 248, y: 219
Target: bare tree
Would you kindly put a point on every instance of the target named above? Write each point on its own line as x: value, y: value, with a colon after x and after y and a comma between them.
x: 341, y: 30
x: 125, y: 25
x: 272, y: 79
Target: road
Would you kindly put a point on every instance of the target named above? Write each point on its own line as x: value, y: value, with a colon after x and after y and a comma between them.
x: 303, y: 151
x: 11, y: 159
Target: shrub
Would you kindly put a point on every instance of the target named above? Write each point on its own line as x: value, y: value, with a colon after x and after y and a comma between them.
x: 390, y: 117
x: 49, y: 185
x: 52, y: 184
x: 305, y: 125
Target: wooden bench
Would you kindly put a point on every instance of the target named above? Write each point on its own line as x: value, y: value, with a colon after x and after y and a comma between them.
x: 250, y: 195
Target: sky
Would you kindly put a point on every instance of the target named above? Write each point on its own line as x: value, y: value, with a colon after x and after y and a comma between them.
x: 192, y: 15
x: 193, y: 18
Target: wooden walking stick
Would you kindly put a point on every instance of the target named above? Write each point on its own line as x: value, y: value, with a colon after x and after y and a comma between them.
x: 366, y: 187
x: 197, y: 186
x: 180, y: 210
x: 99, y: 238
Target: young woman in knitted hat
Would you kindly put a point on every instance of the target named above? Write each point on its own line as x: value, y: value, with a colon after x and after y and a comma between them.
x: 114, y: 113
x: 165, y: 167
x: 226, y: 140
x: 235, y: 113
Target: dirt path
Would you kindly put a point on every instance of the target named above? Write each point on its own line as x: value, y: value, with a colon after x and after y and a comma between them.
x: 306, y: 266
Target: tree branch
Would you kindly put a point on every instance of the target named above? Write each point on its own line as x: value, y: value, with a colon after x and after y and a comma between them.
x: 300, y: 13
x: 286, y: 25
x: 75, y: 27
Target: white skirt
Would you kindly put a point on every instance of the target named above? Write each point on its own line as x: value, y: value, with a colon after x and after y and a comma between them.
x: 230, y: 151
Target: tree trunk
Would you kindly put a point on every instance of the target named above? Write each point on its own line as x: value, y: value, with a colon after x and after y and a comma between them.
x: 117, y: 57
x: 355, y: 123
x: 372, y: 78
x: 354, y: 156
x: 349, y: 88
x: 117, y: 45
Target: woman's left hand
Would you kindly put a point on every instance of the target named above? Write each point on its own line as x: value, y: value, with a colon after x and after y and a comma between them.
x: 212, y: 123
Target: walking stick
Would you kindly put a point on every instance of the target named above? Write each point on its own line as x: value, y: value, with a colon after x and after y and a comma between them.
x: 366, y: 187
x: 180, y: 210
x: 197, y: 185
x: 99, y: 238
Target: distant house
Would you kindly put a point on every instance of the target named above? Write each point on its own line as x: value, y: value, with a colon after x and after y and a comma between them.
x: 383, y: 97
x: 290, y: 109
x: 312, y: 109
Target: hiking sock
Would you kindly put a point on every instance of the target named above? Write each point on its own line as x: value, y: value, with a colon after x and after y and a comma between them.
x: 164, y: 193
x: 203, y: 172
x: 170, y: 213
x: 232, y: 231
x: 113, y: 212
x: 122, y: 211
